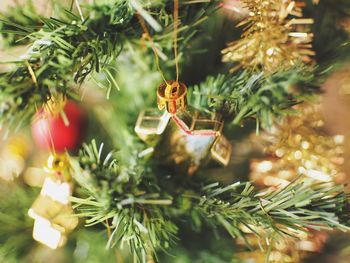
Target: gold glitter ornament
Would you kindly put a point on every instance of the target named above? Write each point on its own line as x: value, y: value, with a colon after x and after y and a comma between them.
x: 274, y: 37
x: 52, y: 213
x: 289, y: 249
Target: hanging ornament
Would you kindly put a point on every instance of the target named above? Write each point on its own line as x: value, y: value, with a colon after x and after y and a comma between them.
x: 52, y: 213
x: 59, y: 130
x: 179, y: 138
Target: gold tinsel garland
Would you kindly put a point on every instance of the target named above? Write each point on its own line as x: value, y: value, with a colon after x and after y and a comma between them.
x: 300, y: 146
x: 274, y: 37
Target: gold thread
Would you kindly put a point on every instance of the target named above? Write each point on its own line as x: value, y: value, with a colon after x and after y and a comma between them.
x: 176, y: 18
x: 149, y: 38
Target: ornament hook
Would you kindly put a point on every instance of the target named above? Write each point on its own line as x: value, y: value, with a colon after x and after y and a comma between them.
x: 172, y: 96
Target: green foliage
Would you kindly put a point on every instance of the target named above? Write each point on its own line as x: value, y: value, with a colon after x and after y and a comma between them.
x: 68, y: 49
x: 244, y: 95
x: 300, y: 205
x: 15, y: 224
x: 25, y: 18
x: 88, y: 246
x: 120, y: 196
x: 65, y: 51
x: 140, y: 212
x: 331, y: 41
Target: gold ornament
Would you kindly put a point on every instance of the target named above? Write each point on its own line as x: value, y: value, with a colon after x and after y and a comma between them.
x: 300, y: 146
x: 184, y: 140
x: 221, y: 150
x: 57, y: 165
x: 274, y: 37
x: 172, y: 96
x: 52, y: 213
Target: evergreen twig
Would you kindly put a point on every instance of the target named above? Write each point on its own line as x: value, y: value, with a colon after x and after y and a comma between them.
x: 119, y: 194
x: 142, y: 213
x: 300, y: 206
x: 246, y: 95
x: 64, y: 52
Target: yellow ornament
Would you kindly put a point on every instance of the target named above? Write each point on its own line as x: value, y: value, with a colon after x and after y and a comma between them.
x: 52, y: 213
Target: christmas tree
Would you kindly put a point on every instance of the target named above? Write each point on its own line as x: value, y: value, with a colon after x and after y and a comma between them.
x: 174, y: 131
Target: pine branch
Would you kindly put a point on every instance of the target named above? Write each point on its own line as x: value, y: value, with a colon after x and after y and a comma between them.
x: 64, y: 53
x: 244, y: 95
x: 24, y: 18
x: 67, y: 50
x: 140, y: 212
x: 299, y: 206
x: 120, y: 197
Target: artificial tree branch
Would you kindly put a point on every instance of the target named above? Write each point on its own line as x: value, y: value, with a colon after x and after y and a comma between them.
x: 142, y: 212
x: 245, y: 95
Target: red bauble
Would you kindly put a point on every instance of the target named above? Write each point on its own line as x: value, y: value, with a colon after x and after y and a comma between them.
x: 52, y: 133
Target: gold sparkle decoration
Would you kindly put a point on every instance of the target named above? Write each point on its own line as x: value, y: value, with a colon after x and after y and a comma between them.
x: 275, y: 36
x: 300, y: 146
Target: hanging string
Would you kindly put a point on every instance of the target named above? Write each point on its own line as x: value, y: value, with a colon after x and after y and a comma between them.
x: 149, y: 38
x: 176, y: 18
